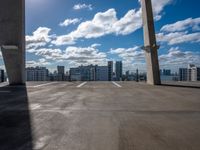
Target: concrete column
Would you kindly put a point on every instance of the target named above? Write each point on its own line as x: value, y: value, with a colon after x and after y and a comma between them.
x: 12, y: 39
x: 150, y: 46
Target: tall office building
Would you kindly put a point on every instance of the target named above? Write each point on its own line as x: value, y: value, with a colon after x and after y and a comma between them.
x: 110, y: 70
x: 118, y: 70
x: 183, y: 72
x: 37, y: 74
x: 61, y: 73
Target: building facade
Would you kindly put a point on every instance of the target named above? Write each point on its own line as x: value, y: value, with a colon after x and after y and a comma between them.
x: 61, y: 73
x: 102, y: 73
x: 89, y: 73
x: 166, y: 72
x: 83, y: 73
x: 192, y: 73
x: 75, y: 74
x: 37, y: 74
x: 183, y: 72
x: 110, y: 70
x: 118, y: 70
x: 195, y: 74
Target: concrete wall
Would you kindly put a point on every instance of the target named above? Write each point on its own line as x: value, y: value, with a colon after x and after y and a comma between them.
x: 12, y: 33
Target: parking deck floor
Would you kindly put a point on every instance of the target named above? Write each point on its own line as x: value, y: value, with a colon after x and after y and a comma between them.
x: 99, y: 116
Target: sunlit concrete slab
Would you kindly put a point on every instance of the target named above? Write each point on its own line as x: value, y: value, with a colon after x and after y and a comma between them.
x: 102, y: 116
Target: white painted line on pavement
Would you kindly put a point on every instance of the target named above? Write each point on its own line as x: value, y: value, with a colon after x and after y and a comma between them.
x: 80, y: 85
x: 116, y: 84
x: 43, y: 84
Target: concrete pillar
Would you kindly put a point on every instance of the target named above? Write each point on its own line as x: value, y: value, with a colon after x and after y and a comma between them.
x: 150, y: 46
x: 12, y: 39
x: 2, y: 76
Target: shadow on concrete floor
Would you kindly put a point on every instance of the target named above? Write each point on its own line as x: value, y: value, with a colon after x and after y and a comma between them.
x: 179, y: 85
x: 15, y: 123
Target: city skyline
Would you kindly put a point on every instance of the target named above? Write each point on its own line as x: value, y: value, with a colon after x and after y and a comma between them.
x: 173, y: 71
x: 106, y: 73
x: 65, y: 38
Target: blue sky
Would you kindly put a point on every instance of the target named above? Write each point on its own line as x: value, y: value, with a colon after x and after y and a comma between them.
x: 75, y: 32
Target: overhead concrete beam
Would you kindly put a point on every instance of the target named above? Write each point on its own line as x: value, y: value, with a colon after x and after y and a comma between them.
x: 150, y: 45
x: 12, y: 32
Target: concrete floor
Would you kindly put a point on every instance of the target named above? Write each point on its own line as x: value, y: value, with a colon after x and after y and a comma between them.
x: 99, y: 116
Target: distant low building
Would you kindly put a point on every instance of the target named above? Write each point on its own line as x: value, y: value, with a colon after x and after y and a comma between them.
x: 102, y: 73
x: 61, y: 73
x: 75, y: 74
x: 166, y: 72
x: 82, y: 73
x: 89, y: 73
x: 192, y: 73
x: 37, y: 74
x: 166, y: 75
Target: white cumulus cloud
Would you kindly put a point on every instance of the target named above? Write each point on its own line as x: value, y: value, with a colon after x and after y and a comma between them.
x: 176, y: 57
x: 40, y: 37
x: 39, y: 62
x: 82, y: 6
x: 184, y: 31
x: 67, y: 22
x: 183, y: 25
x: 105, y: 23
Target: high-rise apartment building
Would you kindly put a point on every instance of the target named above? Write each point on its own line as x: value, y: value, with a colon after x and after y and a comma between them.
x: 192, y: 73
x: 61, y: 73
x: 118, y: 70
x: 183, y: 72
x: 110, y: 70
